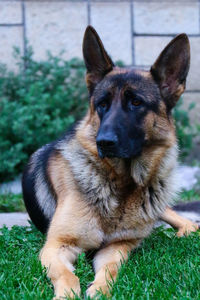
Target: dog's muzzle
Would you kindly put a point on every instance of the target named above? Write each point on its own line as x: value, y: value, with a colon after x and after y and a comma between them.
x: 107, y: 145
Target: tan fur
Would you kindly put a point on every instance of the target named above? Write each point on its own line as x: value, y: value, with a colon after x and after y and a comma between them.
x: 107, y: 204
x: 78, y: 226
x: 58, y: 260
x: 183, y: 225
x: 106, y: 264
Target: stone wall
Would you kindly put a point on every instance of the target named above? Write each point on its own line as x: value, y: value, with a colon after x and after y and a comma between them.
x: 132, y: 31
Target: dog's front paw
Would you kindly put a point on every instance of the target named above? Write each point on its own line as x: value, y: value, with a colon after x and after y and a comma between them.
x: 65, y: 293
x: 64, y: 289
x: 96, y: 287
x: 187, y: 228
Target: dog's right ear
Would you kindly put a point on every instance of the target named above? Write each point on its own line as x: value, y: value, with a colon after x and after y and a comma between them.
x: 97, y: 61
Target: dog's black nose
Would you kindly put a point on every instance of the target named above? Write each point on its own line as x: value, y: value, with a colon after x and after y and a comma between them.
x: 106, y: 141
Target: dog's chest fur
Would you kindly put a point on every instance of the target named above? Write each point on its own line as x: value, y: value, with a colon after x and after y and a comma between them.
x: 123, y: 208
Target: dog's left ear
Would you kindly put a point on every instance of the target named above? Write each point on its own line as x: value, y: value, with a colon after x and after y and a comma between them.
x: 171, y: 68
x: 97, y: 61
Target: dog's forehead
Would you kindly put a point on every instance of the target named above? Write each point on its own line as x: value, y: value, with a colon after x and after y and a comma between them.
x: 129, y: 77
x: 140, y: 81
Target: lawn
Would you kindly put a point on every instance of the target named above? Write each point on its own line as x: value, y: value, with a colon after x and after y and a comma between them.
x: 164, y: 267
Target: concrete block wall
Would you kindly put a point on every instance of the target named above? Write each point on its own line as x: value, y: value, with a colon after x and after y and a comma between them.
x: 134, y: 31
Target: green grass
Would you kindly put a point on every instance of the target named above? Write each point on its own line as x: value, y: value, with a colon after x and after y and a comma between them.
x: 164, y: 267
x: 11, y: 203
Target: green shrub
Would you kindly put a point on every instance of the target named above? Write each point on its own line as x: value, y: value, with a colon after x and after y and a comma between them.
x: 36, y: 106
x: 41, y: 101
x: 184, y: 129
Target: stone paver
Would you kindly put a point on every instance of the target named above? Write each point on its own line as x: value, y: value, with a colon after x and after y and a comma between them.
x: 194, y: 73
x: 147, y: 49
x: 159, y: 17
x: 10, y: 12
x: 11, y: 219
x: 55, y: 27
x: 113, y: 24
x: 10, y: 37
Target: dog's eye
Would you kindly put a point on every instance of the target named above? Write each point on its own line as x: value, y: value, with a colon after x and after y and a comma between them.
x: 103, y: 104
x: 136, y: 102
x: 133, y: 100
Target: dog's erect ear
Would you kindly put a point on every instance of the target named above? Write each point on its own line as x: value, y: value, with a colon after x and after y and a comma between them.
x: 171, y: 68
x: 97, y: 61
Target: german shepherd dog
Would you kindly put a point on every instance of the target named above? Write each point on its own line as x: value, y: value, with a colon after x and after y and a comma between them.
x: 105, y: 184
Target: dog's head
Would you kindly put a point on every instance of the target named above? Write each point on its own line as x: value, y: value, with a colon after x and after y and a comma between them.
x: 134, y: 106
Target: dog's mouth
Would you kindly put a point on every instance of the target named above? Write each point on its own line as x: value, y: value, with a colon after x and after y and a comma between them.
x: 108, y: 154
x: 113, y: 153
x: 120, y: 150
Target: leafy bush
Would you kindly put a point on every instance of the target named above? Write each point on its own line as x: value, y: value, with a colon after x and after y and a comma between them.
x: 36, y: 106
x: 11, y: 203
x: 184, y: 129
x: 41, y: 101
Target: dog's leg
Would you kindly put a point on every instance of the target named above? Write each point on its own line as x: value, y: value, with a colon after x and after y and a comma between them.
x: 183, y: 225
x: 106, y: 264
x: 58, y: 258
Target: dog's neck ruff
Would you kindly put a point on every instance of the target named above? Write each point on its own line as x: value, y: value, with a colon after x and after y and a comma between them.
x: 162, y: 187
x: 102, y: 191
